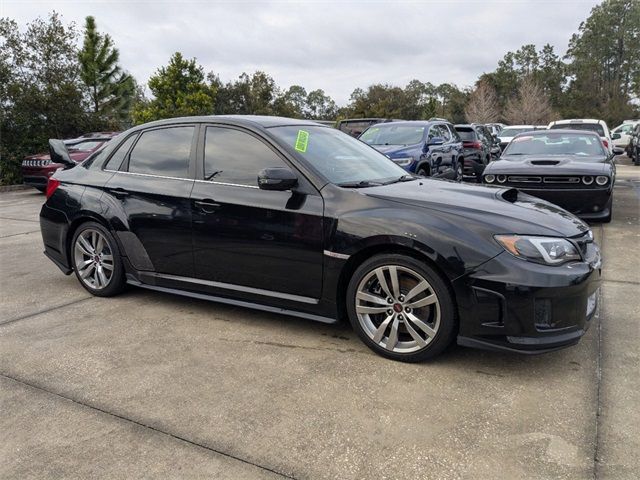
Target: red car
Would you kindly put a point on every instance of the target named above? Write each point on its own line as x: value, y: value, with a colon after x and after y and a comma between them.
x: 36, y: 169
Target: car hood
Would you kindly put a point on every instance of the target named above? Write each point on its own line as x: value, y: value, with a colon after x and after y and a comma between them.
x: 499, y: 210
x: 395, y: 150
x: 549, y: 165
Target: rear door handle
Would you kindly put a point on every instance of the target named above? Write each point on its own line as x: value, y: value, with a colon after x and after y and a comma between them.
x: 206, y: 205
x: 119, y: 192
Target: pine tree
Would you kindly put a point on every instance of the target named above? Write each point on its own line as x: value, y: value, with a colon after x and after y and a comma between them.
x: 111, y: 90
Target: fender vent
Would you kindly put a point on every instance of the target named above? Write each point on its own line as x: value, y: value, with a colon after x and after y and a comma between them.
x: 510, y: 195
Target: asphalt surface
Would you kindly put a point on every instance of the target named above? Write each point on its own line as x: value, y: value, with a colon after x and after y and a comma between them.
x: 149, y: 385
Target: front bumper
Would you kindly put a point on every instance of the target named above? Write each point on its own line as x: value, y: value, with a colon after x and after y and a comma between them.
x: 513, y: 305
x: 587, y: 203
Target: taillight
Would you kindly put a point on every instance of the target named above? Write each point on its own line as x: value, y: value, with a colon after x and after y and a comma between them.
x: 605, y: 143
x: 52, y: 184
x: 472, y: 145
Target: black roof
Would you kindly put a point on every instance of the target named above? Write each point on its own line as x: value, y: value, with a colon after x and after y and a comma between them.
x: 263, y: 121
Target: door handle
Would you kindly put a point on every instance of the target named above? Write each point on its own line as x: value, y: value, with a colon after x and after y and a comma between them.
x: 206, y: 205
x: 119, y: 192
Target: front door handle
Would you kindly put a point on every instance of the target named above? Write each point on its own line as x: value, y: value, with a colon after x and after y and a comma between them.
x: 206, y: 205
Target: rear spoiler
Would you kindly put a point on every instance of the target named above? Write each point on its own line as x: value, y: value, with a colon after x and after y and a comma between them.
x: 59, y: 153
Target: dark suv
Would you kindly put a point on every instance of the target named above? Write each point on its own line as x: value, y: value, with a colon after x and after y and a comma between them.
x: 36, y: 169
x: 426, y: 147
x: 478, y: 145
x: 633, y: 150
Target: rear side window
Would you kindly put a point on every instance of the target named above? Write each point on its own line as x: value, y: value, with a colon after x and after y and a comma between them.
x: 163, y: 152
x: 232, y: 156
x: 116, y: 159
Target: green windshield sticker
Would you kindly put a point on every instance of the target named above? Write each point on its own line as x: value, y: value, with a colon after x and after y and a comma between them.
x: 302, y: 141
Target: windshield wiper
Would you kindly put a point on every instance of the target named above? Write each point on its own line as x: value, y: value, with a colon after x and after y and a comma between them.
x: 361, y: 184
x: 403, y: 178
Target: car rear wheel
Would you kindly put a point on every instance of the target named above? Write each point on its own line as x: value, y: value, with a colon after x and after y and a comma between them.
x: 401, y: 308
x: 96, y: 260
x: 459, y: 171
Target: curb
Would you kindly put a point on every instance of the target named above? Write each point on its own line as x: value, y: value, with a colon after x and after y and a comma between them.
x: 13, y: 188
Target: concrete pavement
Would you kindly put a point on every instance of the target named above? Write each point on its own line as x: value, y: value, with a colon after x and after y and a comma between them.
x: 149, y: 385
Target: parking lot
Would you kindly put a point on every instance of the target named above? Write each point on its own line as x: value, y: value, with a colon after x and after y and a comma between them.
x: 152, y: 385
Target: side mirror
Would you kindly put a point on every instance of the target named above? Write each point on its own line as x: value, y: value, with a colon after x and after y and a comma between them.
x: 618, y: 150
x: 59, y: 153
x: 277, y: 178
x: 616, y: 136
x: 436, y: 141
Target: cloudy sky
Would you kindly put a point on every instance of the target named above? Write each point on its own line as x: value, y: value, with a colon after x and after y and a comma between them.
x: 333, y: 45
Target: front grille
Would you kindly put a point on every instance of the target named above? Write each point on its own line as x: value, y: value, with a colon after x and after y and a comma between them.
x: 523, y: 179
x: 36, y: 163
x: 565, y: 180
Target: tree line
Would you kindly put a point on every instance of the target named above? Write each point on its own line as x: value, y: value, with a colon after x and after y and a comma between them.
x: 58, y: 81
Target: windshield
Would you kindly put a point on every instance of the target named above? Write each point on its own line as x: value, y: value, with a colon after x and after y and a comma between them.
x: 590, y: 127
x: 339, y: 158
x: 393, y: 135
x: 512, y: 132
x: 586, y: 145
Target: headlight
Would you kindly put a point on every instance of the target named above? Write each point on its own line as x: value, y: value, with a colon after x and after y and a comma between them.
x: 403, y: 162
x: 489, y: 178
x: 544, y: 250
x: 587, y: 180
x: 602, y: 180
x: 502, y: 178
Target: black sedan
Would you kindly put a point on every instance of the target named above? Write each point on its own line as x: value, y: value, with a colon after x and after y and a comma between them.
x: 570, y: 168
x: 293, y: 217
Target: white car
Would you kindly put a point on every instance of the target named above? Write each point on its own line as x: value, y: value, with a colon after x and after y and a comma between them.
x: 510, y: 131
x: 625, y: 130
x: 591, y: 124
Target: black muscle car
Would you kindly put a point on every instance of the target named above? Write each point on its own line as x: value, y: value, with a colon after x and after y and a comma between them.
x: 569, y: 168
x: 294, y: 217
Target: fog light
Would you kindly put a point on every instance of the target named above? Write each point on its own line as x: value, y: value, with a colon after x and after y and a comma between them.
x: 602, y: 180
x: 502, y: 178
x: 489, y: 178
x: 587, y: 180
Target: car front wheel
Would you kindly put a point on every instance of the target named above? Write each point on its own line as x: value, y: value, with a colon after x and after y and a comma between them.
x: 401, y: 308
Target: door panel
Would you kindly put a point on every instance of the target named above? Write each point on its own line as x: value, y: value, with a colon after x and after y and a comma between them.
x: 257, y: 238
x: 242, y: 235
x: 158, y: 212
x: 150, y: 198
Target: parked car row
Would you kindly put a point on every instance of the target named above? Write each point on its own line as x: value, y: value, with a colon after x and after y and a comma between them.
x: 38, y: 168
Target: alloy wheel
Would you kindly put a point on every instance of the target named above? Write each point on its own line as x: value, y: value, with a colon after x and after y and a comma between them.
x: 93, y: 259
x: 398, y: 309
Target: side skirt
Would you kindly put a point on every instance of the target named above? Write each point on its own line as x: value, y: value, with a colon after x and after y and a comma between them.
x: 229, y: 301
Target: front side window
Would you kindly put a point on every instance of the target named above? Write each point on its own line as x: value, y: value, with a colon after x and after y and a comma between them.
x: 339, y: 158
x: 232, y: 156
x: 163, y: 152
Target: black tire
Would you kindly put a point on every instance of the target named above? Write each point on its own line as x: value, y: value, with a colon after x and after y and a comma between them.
x: 41, y: 189
x: 423, y: 171
x: 116, y: 281
x: 440, y: 316
x: 459, y: 171
x: 608, y: 218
